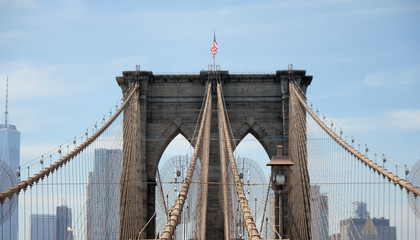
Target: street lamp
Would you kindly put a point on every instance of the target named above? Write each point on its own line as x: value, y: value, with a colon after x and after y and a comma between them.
x: 279, y: 171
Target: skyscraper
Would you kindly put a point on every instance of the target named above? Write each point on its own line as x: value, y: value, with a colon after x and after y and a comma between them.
x: 360, y: 210
x: 10, y: 161
x: 64, y: 227
x: 363, y: 227
x: 319, y: 214
x: 43, y: 227
x: 103, y: 195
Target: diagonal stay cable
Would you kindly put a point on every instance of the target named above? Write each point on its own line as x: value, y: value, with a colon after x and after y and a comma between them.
x: 205, y: 159
x: 246, y: 211
x: 224, y: 178
x: 371, y: 164
x: 53, y: 167
x: 176, y: 210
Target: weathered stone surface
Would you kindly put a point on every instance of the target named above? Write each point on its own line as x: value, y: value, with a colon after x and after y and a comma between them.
x: 170, y: 104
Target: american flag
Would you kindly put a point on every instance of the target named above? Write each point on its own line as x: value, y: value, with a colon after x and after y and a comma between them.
x: 214, y: 47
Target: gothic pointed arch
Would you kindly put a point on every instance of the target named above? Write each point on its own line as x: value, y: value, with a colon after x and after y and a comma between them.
x: 165, y: 137
x: 256, y: 131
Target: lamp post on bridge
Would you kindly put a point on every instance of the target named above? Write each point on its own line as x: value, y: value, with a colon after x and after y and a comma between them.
x: 280, y: 171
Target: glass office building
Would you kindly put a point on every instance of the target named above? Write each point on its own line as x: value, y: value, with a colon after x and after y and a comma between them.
x: 9, y: 162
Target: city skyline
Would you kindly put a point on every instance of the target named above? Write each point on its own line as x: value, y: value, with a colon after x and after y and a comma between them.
x: 61, y: 59
x: 367, y: 52
x: 52, y: 226
x: 361, y: 226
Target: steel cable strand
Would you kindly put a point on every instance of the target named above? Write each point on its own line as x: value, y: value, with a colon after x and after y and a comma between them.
x: 292, y: 140
x: 339, y: 196
x: 144, y: 227
x: 229, y: 210
x: 371, y: 164
x: 301, y: 133
x: 176, y: 209
x: 135, y: 150
x: 124, y: 174
x: 270, y: 222
x: 130, y: 134
x: 193, y: 138
x: 161, y: 191
x: 248, y: 219
x: 324, y: 177
x: 204, y: 184
x: 224, y: 180
x: 266, y: 200
x: 116, y: 187
x: 295, y: 156
x: 343, y: 144
x: 54, y: 167
x: 200, y: 114
x: 302, y: 157
x: 315, y: 205
x: 205, y: 159
x: 109, y: 196
x: 233, y: 200
x: 227, y: 119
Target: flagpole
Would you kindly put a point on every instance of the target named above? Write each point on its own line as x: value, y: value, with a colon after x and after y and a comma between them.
x: 214, y: 57
x: 214, y: 63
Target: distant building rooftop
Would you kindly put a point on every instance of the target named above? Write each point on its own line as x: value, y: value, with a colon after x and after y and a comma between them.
x: 8, y: 126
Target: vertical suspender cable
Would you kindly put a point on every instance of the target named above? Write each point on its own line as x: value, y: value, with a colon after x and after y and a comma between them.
x: 389, y: 175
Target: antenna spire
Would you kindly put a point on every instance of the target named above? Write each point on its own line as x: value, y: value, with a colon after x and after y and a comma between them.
x: 6, y: 113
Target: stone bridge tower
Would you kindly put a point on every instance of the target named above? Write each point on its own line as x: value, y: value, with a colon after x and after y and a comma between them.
x: 169, y: 104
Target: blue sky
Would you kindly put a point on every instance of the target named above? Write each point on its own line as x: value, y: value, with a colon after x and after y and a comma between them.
x: 61, y: 58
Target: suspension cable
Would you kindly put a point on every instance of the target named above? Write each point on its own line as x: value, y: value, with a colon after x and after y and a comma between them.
x: 246, y: 211
x: 371, y: 164
x: 224, y: 179
x: 55, y: 166
x: 176, y: 210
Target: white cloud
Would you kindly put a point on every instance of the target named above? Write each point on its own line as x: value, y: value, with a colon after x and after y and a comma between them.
x: 68, y: 5
x: 385, y: 11
x: 405, y: 118
x: 380, y: 79
x: 29, y: 80
x: 10, y: 36
x: 392, y: 78
x: 17, y: 3
x: 30, y: 152
x: 354, y: 124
